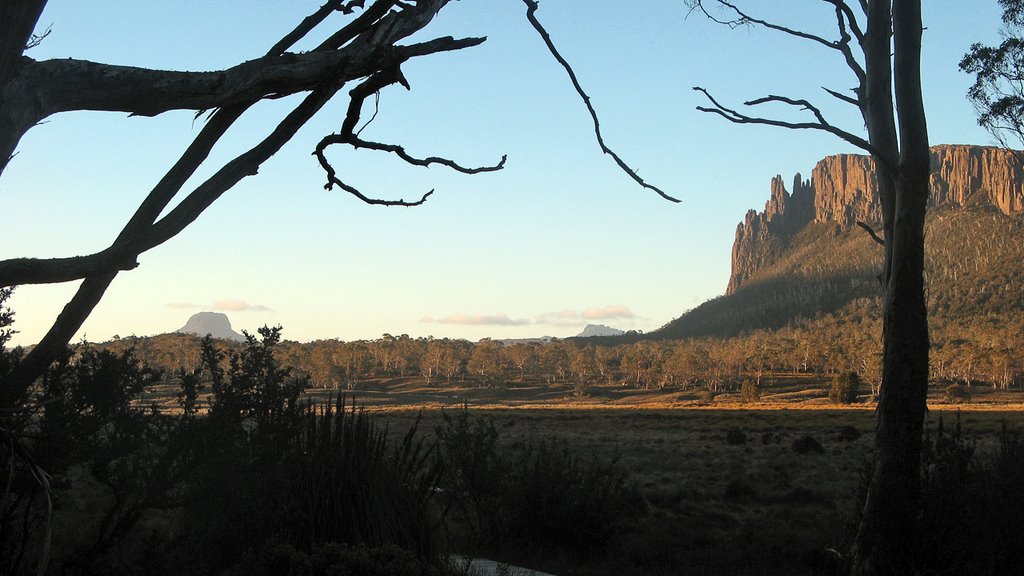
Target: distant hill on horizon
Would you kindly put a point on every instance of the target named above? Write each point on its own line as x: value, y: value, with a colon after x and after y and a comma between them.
x: 215, y: 324
x: 594, y: 330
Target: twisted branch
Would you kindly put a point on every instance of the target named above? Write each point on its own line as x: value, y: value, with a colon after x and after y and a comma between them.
x: 350, y: 136
x: 820, y: 123
x: 531, y: 8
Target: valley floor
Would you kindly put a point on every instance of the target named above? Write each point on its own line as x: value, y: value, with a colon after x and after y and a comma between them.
x: 727, y: 491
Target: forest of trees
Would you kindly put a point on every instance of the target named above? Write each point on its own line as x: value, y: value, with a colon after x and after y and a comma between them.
x: 981, y: 352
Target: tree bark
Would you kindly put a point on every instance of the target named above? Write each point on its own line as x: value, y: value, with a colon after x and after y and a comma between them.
x: 888, y: 524
x: 17, y: 21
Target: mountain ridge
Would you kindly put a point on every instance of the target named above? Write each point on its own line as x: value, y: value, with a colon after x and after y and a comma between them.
x: 803, y: 256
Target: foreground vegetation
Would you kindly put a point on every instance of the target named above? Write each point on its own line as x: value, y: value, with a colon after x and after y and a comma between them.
x: 261, y: 482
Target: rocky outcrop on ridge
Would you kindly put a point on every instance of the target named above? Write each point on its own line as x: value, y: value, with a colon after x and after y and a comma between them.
x: 843, y: 190
x: 593, y: 330
x: 215, y: 324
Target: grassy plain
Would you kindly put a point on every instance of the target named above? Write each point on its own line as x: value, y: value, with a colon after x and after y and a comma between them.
x: 725, y: 489
x: 715, y: 507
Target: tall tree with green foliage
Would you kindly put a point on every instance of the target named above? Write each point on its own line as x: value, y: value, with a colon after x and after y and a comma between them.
x: 998, y: 90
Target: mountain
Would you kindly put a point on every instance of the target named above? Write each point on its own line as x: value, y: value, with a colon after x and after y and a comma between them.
x: 213, y: 323
x: 805, y: 256
x: 592, y: 330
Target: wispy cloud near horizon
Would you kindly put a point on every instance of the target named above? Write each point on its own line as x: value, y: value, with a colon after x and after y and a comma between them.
x: 563, y: 319
x: 221, y: 306
x: 458, y: 318
x: 610, y: 312
x: 239, y: 306
x: 572, y: 318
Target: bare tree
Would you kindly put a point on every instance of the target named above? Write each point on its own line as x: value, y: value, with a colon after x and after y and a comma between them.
x: 364, y: 53
x: 880, y: 42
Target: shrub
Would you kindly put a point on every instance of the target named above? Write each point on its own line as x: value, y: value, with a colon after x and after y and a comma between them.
x: 971, y: 520
x: 843, y: 389
x: 735, y: 437
x: 956, y: 394
x: 848, y: 434
x: 807, y: 445
x: 707, y: 396
x: 300, y: 475
x: 750, y: 391
x: 740, y: 489
x: 536, y: 493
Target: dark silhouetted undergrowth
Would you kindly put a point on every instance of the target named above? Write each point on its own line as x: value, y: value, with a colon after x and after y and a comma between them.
x: 535, y: 493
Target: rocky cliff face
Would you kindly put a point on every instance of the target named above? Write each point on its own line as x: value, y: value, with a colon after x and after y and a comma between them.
x: 843, y: 190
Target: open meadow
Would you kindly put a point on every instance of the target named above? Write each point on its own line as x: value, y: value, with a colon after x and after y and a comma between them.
x: 756, y: 490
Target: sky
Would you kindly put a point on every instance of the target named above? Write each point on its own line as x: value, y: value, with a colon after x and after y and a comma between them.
x: 558, y: 239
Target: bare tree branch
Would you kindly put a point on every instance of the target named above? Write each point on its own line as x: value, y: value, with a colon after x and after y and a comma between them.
x: 845, y: 23
x: 348, y: 135
x: 531, y: 8
x: 141, y: 234
x: 822, y: 125
x: 871, y: 232
x: 371, y: 40
x: 851, y: 18
x: 843, y: 97
x: 37, y: 39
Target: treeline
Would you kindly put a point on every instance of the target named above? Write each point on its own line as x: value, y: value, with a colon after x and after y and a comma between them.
x: 982, y: 351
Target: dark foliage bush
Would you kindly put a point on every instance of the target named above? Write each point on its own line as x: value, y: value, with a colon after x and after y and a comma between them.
x: 807, y: 445
x: 971, y: 521
x: 303, y: 476
x: 735, y: 437
x: 956, y: 394
x: 85, y: 413
x: 740, y: 489
x: 843, y: 389
x: 536, y: 493
x: 848, y: 434
x: 750, y: 391
x: 260, y: 469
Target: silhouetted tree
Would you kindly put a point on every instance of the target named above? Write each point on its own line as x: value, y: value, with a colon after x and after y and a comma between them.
x: 880, y: 42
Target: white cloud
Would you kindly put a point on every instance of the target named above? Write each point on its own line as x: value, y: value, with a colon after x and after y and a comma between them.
x: 239, y: 306
x: 500, y: 319
x: 565, y: 318
x: 610, y: 312
x: 221, y: 305
x: 570, y: 318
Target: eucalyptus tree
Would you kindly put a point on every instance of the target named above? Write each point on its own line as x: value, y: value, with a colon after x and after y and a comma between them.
x: 879, y: 41
x: 998, y: 90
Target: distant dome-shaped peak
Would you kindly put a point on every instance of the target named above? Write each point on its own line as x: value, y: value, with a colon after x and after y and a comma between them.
x: 215, y: 324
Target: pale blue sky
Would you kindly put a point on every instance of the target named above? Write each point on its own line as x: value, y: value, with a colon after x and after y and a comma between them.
x: 557, y: 239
